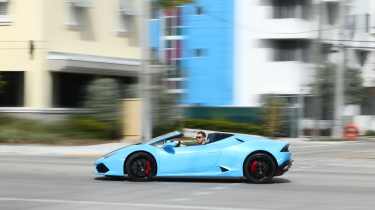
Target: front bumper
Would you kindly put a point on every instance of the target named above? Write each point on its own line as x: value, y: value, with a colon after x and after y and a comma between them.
x: 284, y: 167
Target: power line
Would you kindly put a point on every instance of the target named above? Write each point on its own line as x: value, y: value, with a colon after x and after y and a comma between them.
x: 348, y: 40
x: 15, y: 48
x: 19, y: 41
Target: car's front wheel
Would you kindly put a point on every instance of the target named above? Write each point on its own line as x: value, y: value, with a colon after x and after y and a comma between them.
x: 140, y: 167
x: 259, y: 168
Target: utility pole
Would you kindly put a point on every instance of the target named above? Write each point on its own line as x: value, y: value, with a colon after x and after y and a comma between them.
x: 339, y: 79
x: 144, y: 75
x: 318, y: 62
x: 301, y: 106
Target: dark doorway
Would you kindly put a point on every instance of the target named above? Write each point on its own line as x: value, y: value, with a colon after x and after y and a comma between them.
x: 12, y: 90
x: 69, y: 89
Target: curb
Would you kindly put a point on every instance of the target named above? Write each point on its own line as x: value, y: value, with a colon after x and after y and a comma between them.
x: 77, y: 154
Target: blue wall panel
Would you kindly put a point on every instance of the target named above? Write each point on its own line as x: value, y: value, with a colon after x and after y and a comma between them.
x: 210, y: 77
x: 155, y: 33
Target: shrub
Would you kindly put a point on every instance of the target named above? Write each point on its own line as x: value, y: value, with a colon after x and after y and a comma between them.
x: 103, y: 98
x: 161, y: 129
x: 224, y: 126
x: 370, y: 133
x: 86, y: 127
x: 15, y: 130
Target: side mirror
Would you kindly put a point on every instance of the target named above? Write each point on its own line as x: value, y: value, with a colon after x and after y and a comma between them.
x: 169, y: 147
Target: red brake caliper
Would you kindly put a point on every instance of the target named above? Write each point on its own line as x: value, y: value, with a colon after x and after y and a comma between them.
x: 253, y: 166
x: 148, y: 168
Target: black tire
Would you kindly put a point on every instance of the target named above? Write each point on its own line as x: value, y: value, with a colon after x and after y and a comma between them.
x: 259, y: 168
x: 140, y: 166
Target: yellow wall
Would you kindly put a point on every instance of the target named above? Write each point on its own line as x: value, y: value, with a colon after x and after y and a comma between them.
x: 98, y: 38
x: 44, y: 21
x: 14, y: 38
x: 132, y: 115
x: 26, y: 24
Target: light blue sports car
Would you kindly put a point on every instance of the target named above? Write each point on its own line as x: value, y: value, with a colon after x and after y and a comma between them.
x: 255, y: 158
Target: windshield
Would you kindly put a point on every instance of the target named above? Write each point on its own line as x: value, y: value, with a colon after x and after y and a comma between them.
x: 171, y: 135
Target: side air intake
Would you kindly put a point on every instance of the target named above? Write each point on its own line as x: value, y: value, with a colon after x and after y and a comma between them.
x: 101, y: 168
x: 223, y: 169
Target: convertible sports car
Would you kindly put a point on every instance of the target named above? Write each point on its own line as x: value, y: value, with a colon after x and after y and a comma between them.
x: 255, y: 158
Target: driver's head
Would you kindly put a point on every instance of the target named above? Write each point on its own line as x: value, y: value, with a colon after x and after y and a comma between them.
x: 200, y: 137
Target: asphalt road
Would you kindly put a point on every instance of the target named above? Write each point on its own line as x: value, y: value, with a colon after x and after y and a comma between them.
x: 324, y: 176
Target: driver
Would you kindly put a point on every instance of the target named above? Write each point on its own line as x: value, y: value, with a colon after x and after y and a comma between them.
x: 200, y: 137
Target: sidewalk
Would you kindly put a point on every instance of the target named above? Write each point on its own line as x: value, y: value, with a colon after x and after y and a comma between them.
x: 102, y: 149
x: 66, y: 151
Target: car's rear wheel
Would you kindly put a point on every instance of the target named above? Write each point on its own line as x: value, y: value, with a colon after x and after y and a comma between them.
x: 140, y: 167
x: 259, y: 168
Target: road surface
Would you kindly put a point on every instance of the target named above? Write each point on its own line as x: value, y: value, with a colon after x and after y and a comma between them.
x: 325, y: 176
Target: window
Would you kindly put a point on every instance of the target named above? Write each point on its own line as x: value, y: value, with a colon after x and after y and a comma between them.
x: 154, y: 55
x: 332, y: 12
x: 362, y: 56
x: 128, y: 7
x: 173, y: 22
x: 283, y: 11
x: 128, y: 11
x: 285, y: 50
x: 214, y: 137
x: 77, y: 12
x: 172, y: 28
x: 367, y: 23
x: 4, y: 11
x: 291, y: 50
x: 126, y: 24
x: 368, y: 103
x: 172, y: 50
x: 199, y: 52
x: 199, y: 10
x: 292, y: 9
x: 155, y: 10
x: 285, y: 54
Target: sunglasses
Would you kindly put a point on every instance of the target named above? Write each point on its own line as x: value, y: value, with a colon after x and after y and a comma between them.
x: 199, y: 137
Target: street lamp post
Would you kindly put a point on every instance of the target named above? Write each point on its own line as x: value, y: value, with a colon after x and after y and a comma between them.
x: 144, y: 75
x: 339, y: 79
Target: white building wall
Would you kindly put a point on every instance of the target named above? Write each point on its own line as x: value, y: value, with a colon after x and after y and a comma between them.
x: 255, y: 71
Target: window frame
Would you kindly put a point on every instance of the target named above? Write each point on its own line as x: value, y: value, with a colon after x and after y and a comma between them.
x: 5, y: 17
x: 126, y: 18
x: 75, y: 13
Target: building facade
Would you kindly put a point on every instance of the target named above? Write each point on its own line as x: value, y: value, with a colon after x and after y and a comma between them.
x: 51, y: 49
x: 198, y: 39
x: 236, y: 52
x: 233, y: 52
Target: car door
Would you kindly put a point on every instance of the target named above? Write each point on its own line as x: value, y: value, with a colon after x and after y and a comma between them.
x: 196, y: 160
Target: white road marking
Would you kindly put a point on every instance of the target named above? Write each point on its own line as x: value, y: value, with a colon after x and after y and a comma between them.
x: 147, y: 205
x: 219, y: 188
x: 202, y: 193
x: 180, y: 199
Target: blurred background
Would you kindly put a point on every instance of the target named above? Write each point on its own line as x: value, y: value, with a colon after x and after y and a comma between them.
x: 87, y: 71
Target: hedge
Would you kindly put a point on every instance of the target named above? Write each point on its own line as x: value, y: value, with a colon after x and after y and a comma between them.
x: 224, y: 126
